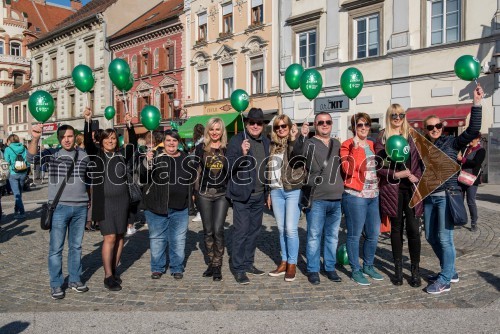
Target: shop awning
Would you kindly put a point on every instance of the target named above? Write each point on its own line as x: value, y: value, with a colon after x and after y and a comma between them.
x: 454, y: 115
x: 229, y: 119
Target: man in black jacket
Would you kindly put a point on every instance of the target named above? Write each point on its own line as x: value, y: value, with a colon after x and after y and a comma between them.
x: 247, y: 154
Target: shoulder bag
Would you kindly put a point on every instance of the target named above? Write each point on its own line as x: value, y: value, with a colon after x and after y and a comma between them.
x: 307, y: 193
x: 48, y: 209
x: 455, y: 202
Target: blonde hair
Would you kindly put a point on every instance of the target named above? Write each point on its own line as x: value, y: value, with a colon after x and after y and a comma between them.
x: 389, y: 131
x: 206, y: 137
x: 285, y: 119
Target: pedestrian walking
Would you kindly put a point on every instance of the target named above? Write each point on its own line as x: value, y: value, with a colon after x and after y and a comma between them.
x: 15, y: 155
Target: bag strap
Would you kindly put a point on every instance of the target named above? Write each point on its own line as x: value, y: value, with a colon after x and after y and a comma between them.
x: 325, y: 162
x: 63, y: 184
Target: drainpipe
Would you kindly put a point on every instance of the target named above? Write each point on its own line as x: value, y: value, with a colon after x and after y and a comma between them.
x: 110, y: 54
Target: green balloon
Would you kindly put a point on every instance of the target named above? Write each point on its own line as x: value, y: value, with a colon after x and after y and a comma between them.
x: 292, y: 76
x: 190, y: 145
x: 109, y: 112
x: 239, y: 100
x: 351, y: 82
x: 467, y: 68
x: 342, y: 257
x: 311, y: 83
x: 121, y: 141
x: 150, y: 117
x: 174, y: 125
x: 83, y: 78
x: 397, y: 148
x: 130, y: 83
x: 119, y: 73
x: 41, y: 105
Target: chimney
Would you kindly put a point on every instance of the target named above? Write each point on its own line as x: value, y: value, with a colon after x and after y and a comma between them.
x: 76, y: 4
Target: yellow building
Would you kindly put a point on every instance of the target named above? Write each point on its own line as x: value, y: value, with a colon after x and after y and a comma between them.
x: 228, y: 46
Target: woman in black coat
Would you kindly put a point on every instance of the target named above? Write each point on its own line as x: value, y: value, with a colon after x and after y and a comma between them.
x: 110, y: 197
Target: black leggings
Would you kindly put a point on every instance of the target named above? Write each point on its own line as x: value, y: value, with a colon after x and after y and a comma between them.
x: 412, y: 229
x: 213, y: 211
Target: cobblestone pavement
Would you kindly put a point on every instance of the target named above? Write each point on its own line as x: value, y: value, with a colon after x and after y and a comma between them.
x: 24, y: 278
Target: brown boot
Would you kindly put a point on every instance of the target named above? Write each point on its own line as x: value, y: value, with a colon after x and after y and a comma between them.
x: 290, y: 272
x: 279, y: 271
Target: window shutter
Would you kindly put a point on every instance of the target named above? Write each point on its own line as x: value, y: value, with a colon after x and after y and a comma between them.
x: 257, y: 64
x: 256, y: 3
x: 171, y: 59
x: 203, y: 77
x: 139, y: 65
x: 227, y: 71
x: 202, y: 19
x: 227, y: 9
x: 163, y: 60
x: 150, y: 63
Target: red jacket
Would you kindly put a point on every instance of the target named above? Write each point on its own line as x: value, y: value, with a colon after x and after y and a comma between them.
x: 354, y: 164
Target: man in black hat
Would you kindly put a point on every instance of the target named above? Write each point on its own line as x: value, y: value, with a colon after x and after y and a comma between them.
x: 247, y: 153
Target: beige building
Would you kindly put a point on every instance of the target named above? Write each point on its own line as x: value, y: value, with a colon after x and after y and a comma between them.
x: 406, y: 51
x: 229, y: 45
x: 81, y: 39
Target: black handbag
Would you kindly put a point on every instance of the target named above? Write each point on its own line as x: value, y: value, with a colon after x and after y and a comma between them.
x: 49, y: 208
x: 307, y: 191
x: 134, y: 189
x: 455, y: 202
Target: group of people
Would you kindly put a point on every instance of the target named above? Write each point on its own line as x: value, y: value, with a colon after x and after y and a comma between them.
x: 288, y: 172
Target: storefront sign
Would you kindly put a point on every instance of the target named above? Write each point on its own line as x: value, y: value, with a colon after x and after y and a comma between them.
x: 217, y: 109
x: 331, y: 104
x: 49, y: 127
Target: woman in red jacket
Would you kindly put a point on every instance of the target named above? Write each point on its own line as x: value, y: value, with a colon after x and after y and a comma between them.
x: 360, y: 199
x: 397, y: 184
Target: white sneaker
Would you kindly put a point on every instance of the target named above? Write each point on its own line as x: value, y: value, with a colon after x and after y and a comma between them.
x: 131, y: 230
x: 197, y: 218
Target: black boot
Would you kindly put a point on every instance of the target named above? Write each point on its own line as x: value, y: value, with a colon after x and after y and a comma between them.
x: 209, y: 272
x: 217, y: 274
x: 415, y: 280
x: 398, y: 273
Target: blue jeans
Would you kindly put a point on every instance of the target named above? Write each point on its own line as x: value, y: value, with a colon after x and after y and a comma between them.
x: 439, y: 234
x: 361, y: 214
x: 323, y: 215
x: 70, y: 219
x: 287, y: 213
x: 167, y: 230
x: 16, y: 181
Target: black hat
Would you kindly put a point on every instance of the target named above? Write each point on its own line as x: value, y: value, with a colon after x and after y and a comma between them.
x: 255, y: 114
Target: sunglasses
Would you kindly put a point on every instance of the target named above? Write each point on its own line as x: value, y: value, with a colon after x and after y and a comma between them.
x: 396, y: 116
x: 438, y: 126
x: 282, y: 126
x: 360, y: 125
x: 252, y: 123
x: 321, y: 123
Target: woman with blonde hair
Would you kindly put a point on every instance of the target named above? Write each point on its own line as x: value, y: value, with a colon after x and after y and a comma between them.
x: 210, y: 188
x: 285, y: 184
x: 398, y: 182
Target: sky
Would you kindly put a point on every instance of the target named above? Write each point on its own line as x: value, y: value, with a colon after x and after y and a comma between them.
x: 66, y: 2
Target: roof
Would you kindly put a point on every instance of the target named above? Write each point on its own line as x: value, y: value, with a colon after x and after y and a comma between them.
x: 158, y: 14
x: 18, y: 93
x: 89, y: 11
x: 43, y: 16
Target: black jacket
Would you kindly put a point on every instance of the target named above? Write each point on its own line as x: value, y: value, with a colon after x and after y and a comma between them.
x: 473, y: 162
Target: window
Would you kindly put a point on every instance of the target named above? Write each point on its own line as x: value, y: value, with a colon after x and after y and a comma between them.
x: 40, y: 71
x: 72, y: 105
x: 71, y: 61
x: 257, y: 69
x: 16, y: 114
x: 25, y: 114
x: 202, y: 86
x: 166, y: 106
x: 227, y: 19
x: 367, y: 36
x: 257, y: 12
x: 134, y: 65
x: 9, y: 111
x: 55, y: 107
x: 445, y: 21
x: 156, y: 58
x: 307, y: 48
x: 145, y: 64
x: 18, y: 80
x: 15, y: 49
x: 90, y: 55
x: 169, y: 58
x: 53, y: 65
x: 92, y: 100
x: 202, y: 27
x: 1, y: 47
x: 227, y: 80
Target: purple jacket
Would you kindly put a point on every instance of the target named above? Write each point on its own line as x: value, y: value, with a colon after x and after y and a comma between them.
x: 389, y: 187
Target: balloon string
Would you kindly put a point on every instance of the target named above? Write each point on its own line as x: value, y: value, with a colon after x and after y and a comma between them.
x: 150, y: 162
x: 86, y: 106
x: 310, y: 112
x: 243, y: 122
x: 41, y: 173
x: 475, y: 80
x: 125, y: 101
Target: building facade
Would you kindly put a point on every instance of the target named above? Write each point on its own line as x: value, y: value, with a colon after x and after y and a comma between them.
x: 22, y: 22
x: 152, y: 45
x: 229, y: 45
x: 81, y: 39
x: 405, y: 49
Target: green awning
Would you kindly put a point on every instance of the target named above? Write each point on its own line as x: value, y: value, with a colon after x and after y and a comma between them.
x: 229, y: 119
x: 53, y: 140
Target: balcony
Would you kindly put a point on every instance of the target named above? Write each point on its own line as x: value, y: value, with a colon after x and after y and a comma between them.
x: 254, y: 26
x: 15, y: 60
x: 224, y: 35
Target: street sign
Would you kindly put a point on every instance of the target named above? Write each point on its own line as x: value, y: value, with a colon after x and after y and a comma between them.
x: 331, y: 104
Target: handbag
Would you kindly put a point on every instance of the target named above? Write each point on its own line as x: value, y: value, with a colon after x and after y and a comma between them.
x: 455, y: 202
x: 307, y: 193
x: 49, y: 208
x: 467, y: 178
x: 134, y: 190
